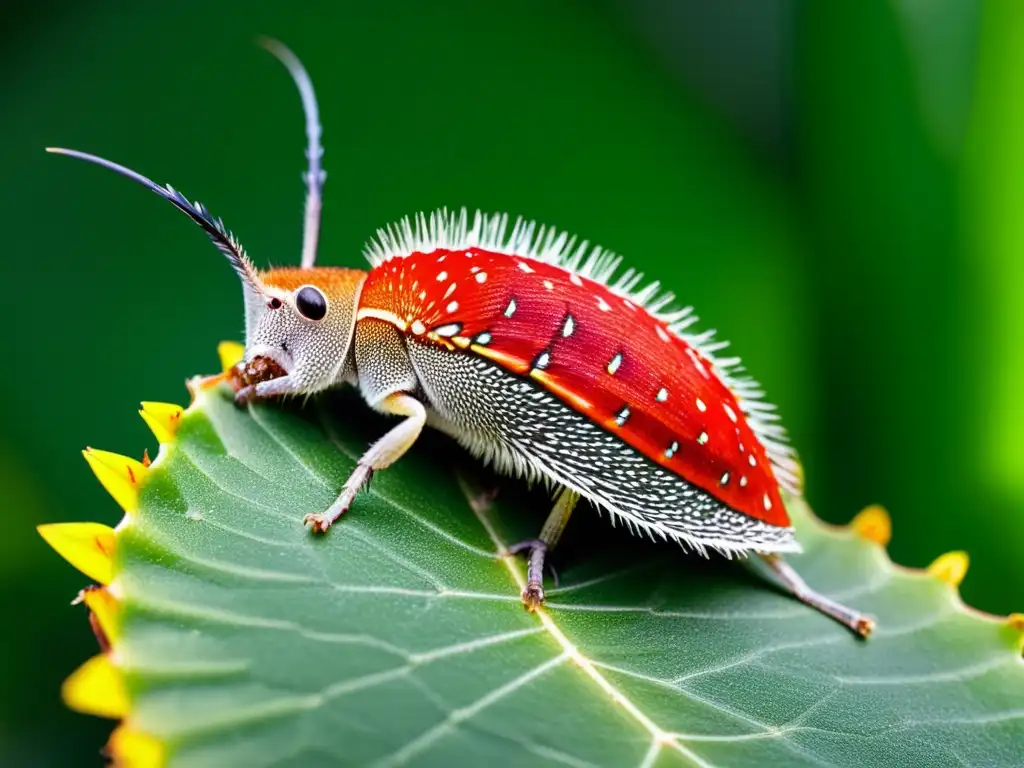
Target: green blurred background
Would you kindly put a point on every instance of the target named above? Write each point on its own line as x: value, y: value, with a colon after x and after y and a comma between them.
x: 837, y: 187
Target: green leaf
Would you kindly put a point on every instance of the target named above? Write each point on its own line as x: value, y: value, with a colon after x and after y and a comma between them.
x: 398, y: 638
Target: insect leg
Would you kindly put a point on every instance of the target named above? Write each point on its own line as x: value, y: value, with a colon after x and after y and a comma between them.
x: 380, y: 455
x: 282, y: 385
x: 856, y: 621
x: 533, y: 594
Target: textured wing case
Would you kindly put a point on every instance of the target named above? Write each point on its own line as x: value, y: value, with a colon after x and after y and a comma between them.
x: 597, y: 351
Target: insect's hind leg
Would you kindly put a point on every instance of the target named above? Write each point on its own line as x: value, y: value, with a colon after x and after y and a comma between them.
x: 533, y: 593
x: 855, y: 620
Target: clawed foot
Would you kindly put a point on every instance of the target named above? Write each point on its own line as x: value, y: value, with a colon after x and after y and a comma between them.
x: 533, y: 593
x: 533, y: 597
x: 319, y: 522
x: 360, y: 478
x: 863, y: 626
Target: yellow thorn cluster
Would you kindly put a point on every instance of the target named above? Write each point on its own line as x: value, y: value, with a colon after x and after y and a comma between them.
x: 950, y: 568
x: 874, y: 524
x: 230, y: 353
x: 134, y: 749
x: 106, y: 610
x: 120, y: 475
x: 162, y: 419
x: 87, y: 546
x: 98, y: 687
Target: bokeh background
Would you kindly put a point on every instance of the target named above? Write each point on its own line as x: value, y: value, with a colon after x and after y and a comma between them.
x: 837, y: 187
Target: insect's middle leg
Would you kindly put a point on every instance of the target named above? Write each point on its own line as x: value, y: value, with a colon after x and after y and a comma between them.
x: 380, y: 455
x: 533, y: 593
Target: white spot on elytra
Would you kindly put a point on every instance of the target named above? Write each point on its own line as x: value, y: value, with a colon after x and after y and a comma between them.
x: 442, y: 276
x: 452, y: 306
x: 450, y: 291
x: 483, y: 338
x: 448, y: 330
x: 629, y: 304
x: 702, y: 438
x: 473, y: 270
x: 568, y: 326
x: 671, y: 450
x: 724, y: 479
x: 614, y: 363
x: 662, y: 334
x: 743, y: 481
x: 622, y: 416
x: 418, y: 327
x: 525, y: 267
x: 542, y: 360
x: 548, y: 285
x: 767, y: 502
x: 481, y: 277
x: 701, y: 406
x: 575, y: 280
x: 423, y: 295
x: 730, y: 413
x: 511, y: 308
x: 603, y: 305
x: 662, y: 395
x: 752, y: 460
x: 441, y: 258
x: 415, y: 284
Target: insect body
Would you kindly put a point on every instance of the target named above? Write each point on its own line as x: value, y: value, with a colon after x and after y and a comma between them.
x: 527, y: 355
x: 538, y: 355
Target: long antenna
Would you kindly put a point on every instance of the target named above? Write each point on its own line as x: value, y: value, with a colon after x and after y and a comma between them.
x: 315, y: 176
x: 226, y: 242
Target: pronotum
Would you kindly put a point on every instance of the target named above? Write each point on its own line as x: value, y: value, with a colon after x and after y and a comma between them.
x: 539, y: 355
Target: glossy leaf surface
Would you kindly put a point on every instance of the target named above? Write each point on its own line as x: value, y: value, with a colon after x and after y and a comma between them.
x: 398, y: 638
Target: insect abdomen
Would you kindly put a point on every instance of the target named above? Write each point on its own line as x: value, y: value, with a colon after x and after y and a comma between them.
x: 516, y: 424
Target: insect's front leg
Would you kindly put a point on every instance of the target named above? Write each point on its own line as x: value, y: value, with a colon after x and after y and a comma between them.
x: 282, y: 385
x: 385, y: 377
x: 380, y: 455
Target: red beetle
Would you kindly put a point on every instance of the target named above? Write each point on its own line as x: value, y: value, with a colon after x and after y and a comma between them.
x: 536, y: 353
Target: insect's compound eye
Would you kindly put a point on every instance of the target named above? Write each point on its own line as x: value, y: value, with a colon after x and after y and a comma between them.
x: 274, y: 303
x: 311, y: 303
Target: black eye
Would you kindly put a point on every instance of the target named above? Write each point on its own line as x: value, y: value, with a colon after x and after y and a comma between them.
x: 311, y: 303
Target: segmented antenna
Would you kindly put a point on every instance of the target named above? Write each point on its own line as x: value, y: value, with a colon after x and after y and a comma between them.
x: 226, y: 242
x: 315, y: 176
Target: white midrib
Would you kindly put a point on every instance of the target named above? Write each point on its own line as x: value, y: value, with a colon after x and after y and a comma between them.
x: 660, y: 738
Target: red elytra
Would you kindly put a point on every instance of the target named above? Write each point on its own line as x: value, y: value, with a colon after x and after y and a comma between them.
x: 601, y: 353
